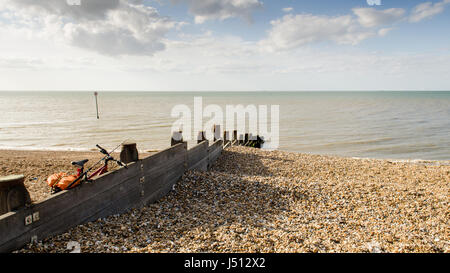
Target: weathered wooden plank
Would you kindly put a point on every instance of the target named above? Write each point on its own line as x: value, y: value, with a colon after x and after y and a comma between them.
x: 213, y: 156
x: 197, y: 157
x: 64, y: 210
x: 163, y: 177
x: 84, y: 212
x: 138, y: 195
x: 56, y: 204
x: 154, y: 188
x: 144, y: 181
x: 201, y: 165
x: 157, y: 170
x: 214, y: 152
x: 125, y: 198
x: 162, y: 156
x: 216, y: 144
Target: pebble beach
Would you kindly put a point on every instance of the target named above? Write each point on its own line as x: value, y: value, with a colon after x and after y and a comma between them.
x: 267, y: 201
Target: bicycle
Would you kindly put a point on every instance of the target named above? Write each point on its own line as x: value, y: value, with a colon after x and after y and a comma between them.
x: 62, y: 181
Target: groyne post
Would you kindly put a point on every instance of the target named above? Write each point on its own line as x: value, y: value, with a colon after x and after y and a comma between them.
x: 129, y: 153
x: 216, y: 132
x: 13, y: 193
x: 177, y: 137
x: 241, y: 139
x: 201, y: 137
x: 226, y: 137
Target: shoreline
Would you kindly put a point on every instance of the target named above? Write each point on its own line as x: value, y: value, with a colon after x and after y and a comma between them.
x: 81, y: 150
x: 445, y: 162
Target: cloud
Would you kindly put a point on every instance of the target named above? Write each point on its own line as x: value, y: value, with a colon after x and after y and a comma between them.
x: 427, y: 10
x: 204, y: 10
x: 116, y: 27
x: 89, y: 10
x: 20, y: 63
x: 288, y: 9
x: 371, y: 17
x: 384, y: 31
x: 292, y: 31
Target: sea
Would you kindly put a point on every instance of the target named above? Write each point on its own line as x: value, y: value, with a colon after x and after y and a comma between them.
x: 399, y: 125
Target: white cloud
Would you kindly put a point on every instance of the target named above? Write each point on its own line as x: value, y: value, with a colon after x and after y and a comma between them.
x: 384, y: 31
x: 427, y: 10
x: 288, y: 9
x: 292, y: 31
x: 89, y: 10
x: 20, y: 63
x: 204, y: 10
x: 296, y: 30
x: 229, y: 62
x: 117, y: 27
x: 371, y: 17
x: 210, y: 62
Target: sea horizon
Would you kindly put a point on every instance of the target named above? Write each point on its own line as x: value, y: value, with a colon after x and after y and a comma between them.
x: 216, y: 91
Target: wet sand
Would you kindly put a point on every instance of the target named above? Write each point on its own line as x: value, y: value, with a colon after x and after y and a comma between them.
x: 260, y: 201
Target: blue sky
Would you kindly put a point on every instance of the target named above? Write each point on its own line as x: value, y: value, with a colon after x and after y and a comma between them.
x: 429, y: 34
x: 224, y: 45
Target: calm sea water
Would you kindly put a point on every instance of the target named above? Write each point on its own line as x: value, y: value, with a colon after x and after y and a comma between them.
x: 396, y: 125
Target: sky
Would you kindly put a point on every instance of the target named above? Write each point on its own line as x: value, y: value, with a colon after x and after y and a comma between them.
x: 224, y: 45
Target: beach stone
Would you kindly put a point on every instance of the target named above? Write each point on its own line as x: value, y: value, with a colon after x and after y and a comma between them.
x: 13, y: 194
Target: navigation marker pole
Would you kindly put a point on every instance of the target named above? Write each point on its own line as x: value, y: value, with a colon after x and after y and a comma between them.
x: 96, y: 103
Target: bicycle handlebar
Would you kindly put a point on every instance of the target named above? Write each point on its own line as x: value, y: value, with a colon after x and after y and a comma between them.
x: 102, y: 150
x: 107, y: 157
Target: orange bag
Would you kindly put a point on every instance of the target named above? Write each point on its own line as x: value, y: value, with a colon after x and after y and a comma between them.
x: 54, y: 178
x: 66, y: 181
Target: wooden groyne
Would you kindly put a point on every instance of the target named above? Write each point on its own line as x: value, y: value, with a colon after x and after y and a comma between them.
x: 143, y: 182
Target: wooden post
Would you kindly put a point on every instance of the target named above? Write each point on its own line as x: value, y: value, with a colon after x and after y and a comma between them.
x: 129, y: 153
x: 216, y: 132
x: 234, y: 135
x: 259, y: 142
x: 241, y: 139
x: 13, y: 193
x: 246, y: 138
x: 201, y: 137
x: 177, y: 137
x: 226, y: 137
x: 96, y: 103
